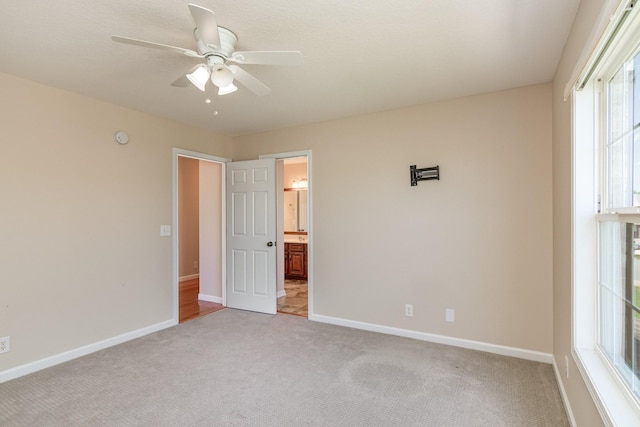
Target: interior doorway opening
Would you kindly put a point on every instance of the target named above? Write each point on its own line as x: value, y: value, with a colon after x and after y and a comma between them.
x: 293, y: 179
x: 199, y: 226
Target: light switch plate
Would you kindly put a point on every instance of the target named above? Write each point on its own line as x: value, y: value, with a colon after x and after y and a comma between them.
x: 449, y: 315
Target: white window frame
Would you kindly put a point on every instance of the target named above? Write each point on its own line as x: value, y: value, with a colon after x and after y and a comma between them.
x: 614, y: 400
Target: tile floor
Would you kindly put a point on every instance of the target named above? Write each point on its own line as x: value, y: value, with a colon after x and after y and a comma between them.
x: 297, y: 299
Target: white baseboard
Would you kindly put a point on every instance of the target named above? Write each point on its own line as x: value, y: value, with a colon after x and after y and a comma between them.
x: 520, y: 353
x: 189, y: 277
x: 563, y: 394
x: 210, y: 298
x: 47, y: 362
x: 282, y: 293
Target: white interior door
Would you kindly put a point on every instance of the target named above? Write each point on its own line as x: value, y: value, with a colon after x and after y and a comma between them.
x: 251, y: 235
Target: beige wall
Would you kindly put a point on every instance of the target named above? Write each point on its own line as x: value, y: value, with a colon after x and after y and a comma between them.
x: 478, y: 241
x: 582, y: 405
x: 81, y: 256
x: 211, y: 229
x: 188, y: 215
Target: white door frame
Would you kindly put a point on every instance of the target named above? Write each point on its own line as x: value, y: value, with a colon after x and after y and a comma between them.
x: 307, y: 154
x: 179, y: 152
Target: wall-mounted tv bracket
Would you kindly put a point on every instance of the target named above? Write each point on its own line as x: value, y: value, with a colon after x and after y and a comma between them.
x: 424, y: 174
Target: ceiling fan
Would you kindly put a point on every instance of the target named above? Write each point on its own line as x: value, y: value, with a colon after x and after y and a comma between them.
x: 216, y: 45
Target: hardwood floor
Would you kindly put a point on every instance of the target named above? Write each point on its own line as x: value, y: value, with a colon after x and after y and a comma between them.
x: 189, y: 305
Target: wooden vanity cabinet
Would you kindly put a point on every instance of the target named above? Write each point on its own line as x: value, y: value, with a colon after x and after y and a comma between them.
x: 295, y: 261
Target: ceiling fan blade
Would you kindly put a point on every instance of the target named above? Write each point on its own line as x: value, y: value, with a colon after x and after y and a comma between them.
x: 248, y: 81
x: 206, y: 24
x: 267, y: 57
x: 136, y: 42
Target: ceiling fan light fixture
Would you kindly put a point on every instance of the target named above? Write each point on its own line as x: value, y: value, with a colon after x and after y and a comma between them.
x: 199, y: 77
x: 222, y: 77
x: 230, y: 88
x: 216, y: 46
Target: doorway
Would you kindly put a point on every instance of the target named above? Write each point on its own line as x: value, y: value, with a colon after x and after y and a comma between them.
x: 293, y: 294
x: 304, y: 159
x: 199, y: 237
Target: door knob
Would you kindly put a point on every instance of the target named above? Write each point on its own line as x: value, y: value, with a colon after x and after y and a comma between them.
x: 269, y: 243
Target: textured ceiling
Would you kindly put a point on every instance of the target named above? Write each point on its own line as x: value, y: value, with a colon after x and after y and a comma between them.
x: 359, y: 56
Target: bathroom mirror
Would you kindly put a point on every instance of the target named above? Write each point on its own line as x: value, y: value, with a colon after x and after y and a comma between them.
x: 295, y: 209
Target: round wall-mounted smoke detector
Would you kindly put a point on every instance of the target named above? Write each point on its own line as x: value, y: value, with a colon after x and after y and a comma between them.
x: 121, y: 137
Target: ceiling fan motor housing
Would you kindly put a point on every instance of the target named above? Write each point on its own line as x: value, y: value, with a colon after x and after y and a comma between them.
x: 227, y: 46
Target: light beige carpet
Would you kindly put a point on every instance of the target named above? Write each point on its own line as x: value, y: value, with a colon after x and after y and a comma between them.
x: 235, y: 368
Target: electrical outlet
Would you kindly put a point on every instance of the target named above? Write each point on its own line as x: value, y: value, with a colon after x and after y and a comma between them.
x: 195, y: 265
x: 449, y: 315
x: 4, y: 345
x: 165, y: 230
x: 408, y: 310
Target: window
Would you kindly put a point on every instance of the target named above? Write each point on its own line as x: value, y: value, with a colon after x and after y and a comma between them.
x: 619, y: 234
x: 622, y: 137
x: 618, y: 291
x: 606, y: 219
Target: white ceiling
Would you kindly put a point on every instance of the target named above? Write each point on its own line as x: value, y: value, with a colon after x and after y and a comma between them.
x: 359, y: 56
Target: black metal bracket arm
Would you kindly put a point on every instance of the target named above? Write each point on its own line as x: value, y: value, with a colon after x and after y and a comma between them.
x: 424, y: 174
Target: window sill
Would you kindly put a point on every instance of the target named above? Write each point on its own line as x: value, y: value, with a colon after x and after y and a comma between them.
x: 616, y: 406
